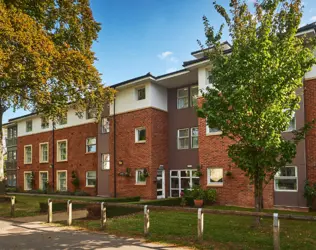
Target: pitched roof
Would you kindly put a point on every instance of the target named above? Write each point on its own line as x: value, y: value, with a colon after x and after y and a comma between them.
x: 307, y: 27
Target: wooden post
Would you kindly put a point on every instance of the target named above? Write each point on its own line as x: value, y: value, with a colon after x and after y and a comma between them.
x: 69, y: 211
x: 103, y: 215
x: 146, y: 220
x: 200, y: 224
x: 12, y: 206
x: 50, y: 211
x: 276, y: 231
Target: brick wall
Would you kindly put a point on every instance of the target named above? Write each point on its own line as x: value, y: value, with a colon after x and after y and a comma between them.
x: 133, y: 155
x: 310, y: 142
x: 78, y: 160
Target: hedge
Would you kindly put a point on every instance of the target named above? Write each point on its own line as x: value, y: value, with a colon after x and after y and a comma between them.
x: 163, y: 202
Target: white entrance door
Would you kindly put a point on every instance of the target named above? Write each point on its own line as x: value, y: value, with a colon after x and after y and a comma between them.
x: 161, y: 184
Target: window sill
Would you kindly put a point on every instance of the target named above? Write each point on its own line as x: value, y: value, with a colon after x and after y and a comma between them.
x: 88, y: 153
x: 140, y: 184
x: 182, y: 148
x: 90, y: 186
x: 215, y: 185
x: 27, y: 163
x: 140, y: 142
x: 43, y: 162
x: 62, y: 160
x: 215, y: 133
x: 286, y: 191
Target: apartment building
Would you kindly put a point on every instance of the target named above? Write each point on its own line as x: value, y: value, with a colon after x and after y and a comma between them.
x: 151, y: 143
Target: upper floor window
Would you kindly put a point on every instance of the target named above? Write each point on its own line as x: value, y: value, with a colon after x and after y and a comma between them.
x: 212, y: 131
x: 182, y: 98
x: 105, y: 158
x: 292, y: 125
x: 194, y: 95
x: 44, y: 123
x: 141, y: 93
x: 12, y: 155
x: 105, y: 123
x: 91, y: 145
x: 29, y: 125
x: 28, y: 154
x: 286, y: 179
x: 140, y: 135
x: 12, y: 132
x: 62, y: 150
x: 62, y: 120
x: 183, y: 138
x: 194, y: 137
x: 91, y: 113
x: 43, y: 152
x: 209, y: 77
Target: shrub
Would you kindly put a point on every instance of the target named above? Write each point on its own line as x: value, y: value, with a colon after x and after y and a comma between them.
x: 10, y: 190
x: 81, y: 193
x: 163, y: 202
x: 309, y: 193
x: 208, y: 195
x: 122, y: 199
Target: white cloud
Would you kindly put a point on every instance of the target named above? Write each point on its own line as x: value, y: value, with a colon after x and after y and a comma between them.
x: 165, y: 55
x: 170, y: 70
x: 313, y: 18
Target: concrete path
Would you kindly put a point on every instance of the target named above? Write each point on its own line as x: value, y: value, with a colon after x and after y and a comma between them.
x: 38, y: 235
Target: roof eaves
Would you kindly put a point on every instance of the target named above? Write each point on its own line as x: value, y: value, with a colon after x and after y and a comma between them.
x: 201, y: 50
x: 148, y: 75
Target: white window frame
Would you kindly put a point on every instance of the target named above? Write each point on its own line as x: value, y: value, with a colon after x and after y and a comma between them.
x: 87, y: 145
x: 105, y: 125
x: 208, y: 133
x: 183, y: 137
x: 41, y: 153
x: 105, y: 164
x: 39, y: 179
x: 192, y: 97
x: 90, y: 178
x: 25, y: 146
x: 192, y: 136
x: 208, y: 74
x: 180, y: 189
x: 138, y: 182
x: 24, y: 174
x: 287, y: 178
x: 183, y: 97
x: 44, y: 122
x: 61, y: 171
x: 58, y: 153
x: 214, y: 184
x: 136, y: 135
x: 26, y: 127
x: 137, y: 91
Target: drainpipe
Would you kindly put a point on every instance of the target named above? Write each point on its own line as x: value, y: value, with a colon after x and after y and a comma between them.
x: 114, y: 126
x: 53, y: 161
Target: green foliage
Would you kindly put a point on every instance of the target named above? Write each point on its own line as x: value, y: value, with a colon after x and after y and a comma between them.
x: 75, y: 180
x: 310, y: 192
x: 197, y: 193
x: 163, y: 202
x: 257, y: 87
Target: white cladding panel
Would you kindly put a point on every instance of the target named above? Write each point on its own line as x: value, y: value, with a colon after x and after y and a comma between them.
x: 202, y: 79
x: 311, y: 74
x: 126, y: 98
x: 72, y: 120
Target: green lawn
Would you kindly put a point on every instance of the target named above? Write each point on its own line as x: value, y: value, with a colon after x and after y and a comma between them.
x: 220, y: 231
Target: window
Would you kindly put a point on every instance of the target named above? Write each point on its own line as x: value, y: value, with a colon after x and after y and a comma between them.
x: 194, y: 137
x: 212, y: 131
x: 182, y: 98
x: 62, y: 180
x: 194, y: 92
x: 292, y: 125
x: 27, y: 180
x: 215, y: 177
x: 12, y: 132
x: 44, y: 123
x: 43, y: 152
x: 62, y: 150
x: 105, y: 161
x: 140, y: 135
x: 91, y: 178
x: 140, y: 178
x: 141, y: 93
x: 105, y: 125
x: 43, y: 180
x: 28, y: 126
x: 62, y: 120
x: 91, y: 145
x: 11, y: 180
x: 12, y: 155
x: 286, y: 179
x: 183, y: 138
x: 181, y: 180
x: 28, y: 154
x: 209, y: 78
x: 91, y: 113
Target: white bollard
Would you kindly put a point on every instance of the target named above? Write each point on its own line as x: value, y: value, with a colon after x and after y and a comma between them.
x: 146, y: 220
x: 276, y: 231
x: 200, y: 223
x: 50, y: 211
x: 103, y: 215
x: 69, y: 211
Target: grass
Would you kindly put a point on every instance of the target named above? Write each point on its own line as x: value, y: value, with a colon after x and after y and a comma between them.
x: 220, y: 231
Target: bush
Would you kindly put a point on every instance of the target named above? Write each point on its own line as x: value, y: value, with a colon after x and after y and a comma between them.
x: 208, y: 195
x: 163, y: 202
x: 81, y: 193
x: 10, y: 190
x: 123, y: 199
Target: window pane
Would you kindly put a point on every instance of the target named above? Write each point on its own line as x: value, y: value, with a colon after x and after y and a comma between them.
x: 91, y: 174
x: 92, y: 140
x: 194, y: 95
x: 215, y: 175
x: 185, y: 173
x: 91, y: 149
x: 141, y: 134
x: 174, y: 182
x: 174, y: 173
x: 141, y: 94
x: 195, y: 182
x: 183, y: 92
x: 185, y: 183
x: 195, y: 142
x: 183, y: 143
x: 287, y: 171
x: 183, y: 102
x: 211, y: 130
x: 183, y: 132
x: 174, y: 193
x: 286, y: 184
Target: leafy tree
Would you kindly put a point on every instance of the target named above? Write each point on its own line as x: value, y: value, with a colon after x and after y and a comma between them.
x: 258, y: 86
x: 46, y: 61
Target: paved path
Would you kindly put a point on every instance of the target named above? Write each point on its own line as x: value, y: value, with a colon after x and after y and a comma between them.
x: 38, y: 235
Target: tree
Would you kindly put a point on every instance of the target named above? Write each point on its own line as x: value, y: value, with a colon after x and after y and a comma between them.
x: 257, y: 87
x: 46, y: 62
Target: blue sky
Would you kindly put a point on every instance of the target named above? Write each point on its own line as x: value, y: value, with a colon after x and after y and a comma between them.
x: 156, y: 36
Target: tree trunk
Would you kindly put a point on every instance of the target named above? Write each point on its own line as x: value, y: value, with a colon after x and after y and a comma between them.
x: 258, y: 197
x: 1, y: 146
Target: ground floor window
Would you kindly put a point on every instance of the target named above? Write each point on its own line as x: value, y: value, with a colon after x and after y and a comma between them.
x: 286, y: 179
x: 11, y: 180
x: 43, y: 180
x: 140, y: 176
x: 27, y: 181
x: 183, y: 179
x: 62, y: 180
x: 215, y: 176
x: 91, y: 178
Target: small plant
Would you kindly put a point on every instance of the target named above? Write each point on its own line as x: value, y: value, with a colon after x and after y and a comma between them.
x: 309, y: 192
x: 199, y: 171
x: 146, y: 173
x: 33, y: 180
x: 127, y: 173
x: 75, y: 180
x: 229, y: 173
x: 183, y: 202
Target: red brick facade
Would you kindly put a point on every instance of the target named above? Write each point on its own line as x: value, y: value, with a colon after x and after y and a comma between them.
x: 149, y: 155
x: 310, y: 142
x: 78, y: 160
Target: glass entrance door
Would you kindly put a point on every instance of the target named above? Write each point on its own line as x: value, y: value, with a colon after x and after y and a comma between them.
x: 161, y: 184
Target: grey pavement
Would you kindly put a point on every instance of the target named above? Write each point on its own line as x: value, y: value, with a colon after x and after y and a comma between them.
x: 39, y: 235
